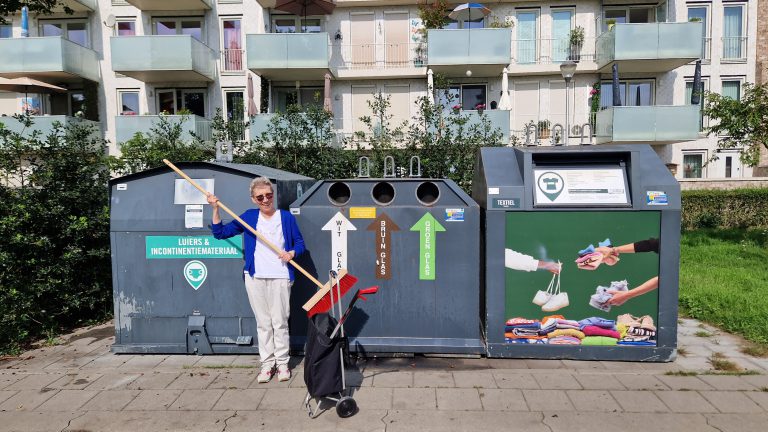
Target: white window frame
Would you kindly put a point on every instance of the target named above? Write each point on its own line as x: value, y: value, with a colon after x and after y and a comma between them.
x: 179, y: 20
x: 705, y: 81
x: 224, y: 49
x: 125, y: 19
x: 297, y: 21
x: 708, y: 28
x: 740, y: 79
x: 704, y: 158
x: 65, y: 23
x: 624, y: 83
x: 242, y: 90
x: 744, y: 31
x: 120, y: 93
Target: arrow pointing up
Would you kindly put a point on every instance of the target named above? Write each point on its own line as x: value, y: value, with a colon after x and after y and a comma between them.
x: 339, y: 225
x: 427, y: 226
x: 382, y: 226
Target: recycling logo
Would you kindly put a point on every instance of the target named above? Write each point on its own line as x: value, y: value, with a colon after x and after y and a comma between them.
x: 551, y: 184
x: 195, y: 272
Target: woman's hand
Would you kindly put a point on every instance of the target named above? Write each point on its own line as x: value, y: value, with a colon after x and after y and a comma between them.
x: 287, y: 256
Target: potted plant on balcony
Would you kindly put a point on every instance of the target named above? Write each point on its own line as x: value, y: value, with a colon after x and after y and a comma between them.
x: 694, y: 19
x: 543, y: 127
x: 419, y: 54
x: 610, y: 22
x: 577, y: 41
x: 456, y: 108
x: 480, y: 108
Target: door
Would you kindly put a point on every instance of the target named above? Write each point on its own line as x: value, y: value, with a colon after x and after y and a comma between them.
x: 360, y: 108
x: 526, y: 37
x: 526, y: 105
x: 396, y: 37
x: 557, y: 95
x: 363, y: 39
x: 166, y: 101
x: 561, y: 35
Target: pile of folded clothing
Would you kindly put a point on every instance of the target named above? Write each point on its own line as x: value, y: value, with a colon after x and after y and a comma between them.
x: 636, y: 331
x: 601, y: 296
x: 523, y: 331
x: 561, y: 331
x: 599, y: 331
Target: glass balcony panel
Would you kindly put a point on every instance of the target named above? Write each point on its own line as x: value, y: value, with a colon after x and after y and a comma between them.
x: 48, y: 54
x: 469, y: 46
x: 45, y: 124
x: 650, y: 41
x: 127, y: 126
x: 160, y: 53
x: 287, y: 50
x: 648, y: 123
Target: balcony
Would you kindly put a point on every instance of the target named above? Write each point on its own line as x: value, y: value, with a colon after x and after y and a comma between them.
x: 48, y: 58
x: 734, y: 49
x: 127, y: 126
x: 75, y: 5
x: 44, y: 124
x: 484, y: 51
x: 366, y: 61
x: 170, y: 5
x: 288, y: 56
x: 654, y: 47
x: 544, y: 56
x: 658, y: 124
x: 154, y: 59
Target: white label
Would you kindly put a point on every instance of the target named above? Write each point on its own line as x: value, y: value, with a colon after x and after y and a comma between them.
x: 493, y: 191
x: 122, y: 186
x: 338, y: 226
x: 296, y: 211
x: 185, y: 193
x: 579, y: 186
x: 193, y: 216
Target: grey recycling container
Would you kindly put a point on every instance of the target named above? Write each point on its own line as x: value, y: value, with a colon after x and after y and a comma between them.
x: 418, y: 240
x: 547, y: 205
x: 177, y: 289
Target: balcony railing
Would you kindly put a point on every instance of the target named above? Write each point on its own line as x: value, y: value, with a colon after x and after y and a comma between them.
x: 646, y: 124
x: 706, y: 53
x: 232, y: 60
x: 735, y: 49
x: 287, y: 51
x: 127, y: 126
x: 488, y: 46
x: 377, y: 56
x: 168, y: 5
x: 52, y: 55
x: 654, y: 46
x: 151, y: 58
x: 45, y: 123
x: 549, y: 51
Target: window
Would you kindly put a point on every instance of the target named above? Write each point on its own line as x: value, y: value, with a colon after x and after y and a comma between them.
x: 465, y: 24
x: 732, y: 89
x: 296, y: 24
x: 689, y: 94
x: 305, y: 96
x: 234, y: 101
x: 179, y: 26
x: 693, y: 165
x: 734, y: 42
x: 700, y: 13
x: 6, y: 31
x: 172, y: 101
x: 728, y: 166
x: 632, y: 15
x: 561, y: 34
x: 527, y: 33
x: 231, y: 51
x: 125, y: 28
x: 128, y: 101
x: 74, y: 30
x: 467, y: 96
x: 632, y: 93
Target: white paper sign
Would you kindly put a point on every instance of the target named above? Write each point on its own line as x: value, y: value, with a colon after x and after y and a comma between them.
x: 185, y: 193
x: 580, y: 186
x: 193, y: 216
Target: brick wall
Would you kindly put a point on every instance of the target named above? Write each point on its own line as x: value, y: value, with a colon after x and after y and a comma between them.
x: 761, y: 71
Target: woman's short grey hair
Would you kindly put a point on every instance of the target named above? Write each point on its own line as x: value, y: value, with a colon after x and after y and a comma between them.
x: 261, y: 182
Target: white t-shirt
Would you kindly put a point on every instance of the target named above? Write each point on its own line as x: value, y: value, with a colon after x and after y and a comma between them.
x: 266, y: 262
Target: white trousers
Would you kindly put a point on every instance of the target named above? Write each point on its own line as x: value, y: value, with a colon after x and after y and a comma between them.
x: 270, y: 301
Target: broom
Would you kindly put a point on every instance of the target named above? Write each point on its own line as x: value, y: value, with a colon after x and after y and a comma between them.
x: 321, y: 301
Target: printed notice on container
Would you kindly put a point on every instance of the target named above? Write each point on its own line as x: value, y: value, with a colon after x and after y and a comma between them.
x: 580, y: 186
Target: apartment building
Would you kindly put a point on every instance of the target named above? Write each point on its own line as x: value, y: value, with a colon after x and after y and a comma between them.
x: 192, y: 57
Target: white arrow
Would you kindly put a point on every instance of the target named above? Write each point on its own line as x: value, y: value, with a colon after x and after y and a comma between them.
x: 339, y: 225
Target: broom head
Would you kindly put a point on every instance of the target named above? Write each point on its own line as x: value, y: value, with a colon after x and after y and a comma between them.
x: 321, y: 301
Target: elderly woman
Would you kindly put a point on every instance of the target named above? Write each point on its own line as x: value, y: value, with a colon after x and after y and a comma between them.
x: 268, y: 278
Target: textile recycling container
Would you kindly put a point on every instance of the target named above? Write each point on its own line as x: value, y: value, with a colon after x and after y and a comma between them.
x: 176, y: 288
x: 418, y: 240
x: 544, y: 205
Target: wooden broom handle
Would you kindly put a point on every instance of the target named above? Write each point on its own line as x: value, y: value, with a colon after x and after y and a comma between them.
x: 243, y: 223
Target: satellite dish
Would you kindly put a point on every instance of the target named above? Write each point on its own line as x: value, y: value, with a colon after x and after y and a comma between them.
x: 110, y: 21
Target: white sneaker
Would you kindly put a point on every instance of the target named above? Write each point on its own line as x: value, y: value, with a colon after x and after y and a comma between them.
x: 265, y: 375
x: 558, y: 301
x: 283, y: 373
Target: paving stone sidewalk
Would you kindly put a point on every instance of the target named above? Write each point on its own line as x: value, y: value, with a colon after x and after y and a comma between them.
x: 80, y: 386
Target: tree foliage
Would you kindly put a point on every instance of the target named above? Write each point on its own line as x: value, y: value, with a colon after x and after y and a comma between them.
x: 44, y: 7
x: 741, y: 123
x: 54, y: 225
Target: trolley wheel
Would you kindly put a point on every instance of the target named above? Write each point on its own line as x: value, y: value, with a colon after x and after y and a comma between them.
x: 346, y: 407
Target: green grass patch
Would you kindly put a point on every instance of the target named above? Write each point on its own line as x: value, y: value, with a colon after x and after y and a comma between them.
x: 733, y: 373
x: 721, y: 363
x: 682, y: 351
x: 681, y: 373
x: 703, y: 333
x: 755, y: 350
x: 724, y: 280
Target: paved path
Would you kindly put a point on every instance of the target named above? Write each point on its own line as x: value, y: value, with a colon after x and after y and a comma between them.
x: 80, y: 386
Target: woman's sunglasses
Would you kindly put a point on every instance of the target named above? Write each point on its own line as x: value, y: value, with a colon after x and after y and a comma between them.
x: 260, y: 198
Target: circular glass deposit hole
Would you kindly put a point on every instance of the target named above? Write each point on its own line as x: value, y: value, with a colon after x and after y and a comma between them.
x: 383, y: 193
x: 427, y: 193
x: 339, y: 193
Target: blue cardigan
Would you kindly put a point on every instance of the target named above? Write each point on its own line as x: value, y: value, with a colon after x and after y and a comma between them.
x: 293, y: 239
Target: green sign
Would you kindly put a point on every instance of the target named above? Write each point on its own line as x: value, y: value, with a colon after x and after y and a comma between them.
x: 160, y: 247
x: 195, y: 272
x: 427, y: 226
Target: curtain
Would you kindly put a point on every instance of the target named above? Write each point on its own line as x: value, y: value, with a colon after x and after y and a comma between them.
x: 732, y: 32
x: 526, y: 37
x: 561, y: 32
x: 732, y: 89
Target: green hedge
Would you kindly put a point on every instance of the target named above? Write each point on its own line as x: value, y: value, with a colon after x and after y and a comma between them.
x: 739, y: 208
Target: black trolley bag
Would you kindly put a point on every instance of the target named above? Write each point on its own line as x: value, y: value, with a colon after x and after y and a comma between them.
x: 322, y: 357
